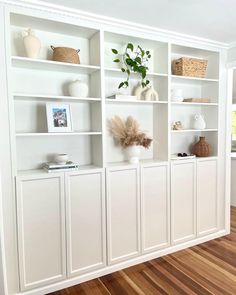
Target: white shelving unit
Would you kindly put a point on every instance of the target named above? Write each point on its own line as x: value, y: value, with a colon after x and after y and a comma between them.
x: 108, y: 211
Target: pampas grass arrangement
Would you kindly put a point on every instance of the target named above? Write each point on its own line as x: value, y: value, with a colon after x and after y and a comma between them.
x: 127, y: 132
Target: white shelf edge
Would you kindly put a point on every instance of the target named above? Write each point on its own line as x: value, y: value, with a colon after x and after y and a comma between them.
x: 42, y: 171
x: 110, y: 100
x: 195, y: 130
x: 114, y: 70
x: 194, y: 78
x: 53, y: 63
x: 56, y: 134
x: 52, y: 97
x: 195, y: 103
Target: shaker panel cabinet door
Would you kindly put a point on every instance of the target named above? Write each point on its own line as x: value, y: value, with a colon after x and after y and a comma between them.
x: 85, y: 221
x: 206, y: 196
x: 183, y: 201
x: 41, y: 229
x: 154, y: 207
x: 123, y: 213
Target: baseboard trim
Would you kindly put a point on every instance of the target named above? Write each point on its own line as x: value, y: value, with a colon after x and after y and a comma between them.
x: 109, y: 269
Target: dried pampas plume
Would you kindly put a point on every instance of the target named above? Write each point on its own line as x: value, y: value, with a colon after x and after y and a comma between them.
x: 127, y: 132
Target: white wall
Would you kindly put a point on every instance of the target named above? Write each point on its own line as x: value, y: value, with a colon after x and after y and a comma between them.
x: 233, y: 181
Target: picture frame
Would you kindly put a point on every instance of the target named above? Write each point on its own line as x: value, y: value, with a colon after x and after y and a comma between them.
x: 58, y: 117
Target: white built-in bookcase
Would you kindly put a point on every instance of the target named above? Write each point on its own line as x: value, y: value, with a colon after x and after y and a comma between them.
x: 36, y: 82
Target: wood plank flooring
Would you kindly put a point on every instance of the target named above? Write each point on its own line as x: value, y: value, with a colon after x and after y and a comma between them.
x: 209, y: 268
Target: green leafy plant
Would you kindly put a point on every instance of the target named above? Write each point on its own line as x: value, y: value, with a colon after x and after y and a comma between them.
x: 133, y: 60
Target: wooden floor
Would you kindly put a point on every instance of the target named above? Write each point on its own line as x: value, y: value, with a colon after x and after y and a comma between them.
x: 209, y: 268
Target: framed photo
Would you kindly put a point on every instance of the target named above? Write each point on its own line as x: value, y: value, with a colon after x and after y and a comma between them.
x: 59, y: 117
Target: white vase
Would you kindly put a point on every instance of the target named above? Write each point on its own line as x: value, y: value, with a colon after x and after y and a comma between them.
x: 133, y: 153
x: 177, y: 95
x: 151, y: 94
x: 199, y: 122
x: 78, y: 88
x: 32, y: 44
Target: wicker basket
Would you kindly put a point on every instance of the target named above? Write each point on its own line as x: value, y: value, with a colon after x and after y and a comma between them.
x: 202, y: 148
x: 191, y: 67
x: 65, y: 54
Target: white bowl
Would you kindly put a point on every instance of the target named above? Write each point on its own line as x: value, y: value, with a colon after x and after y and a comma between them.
x: 61, y: 158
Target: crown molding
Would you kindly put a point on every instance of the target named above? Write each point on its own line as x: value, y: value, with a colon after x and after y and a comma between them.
x: 71, y: 12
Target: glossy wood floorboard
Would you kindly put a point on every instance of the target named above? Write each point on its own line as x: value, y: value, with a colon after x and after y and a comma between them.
x: 209, y: 268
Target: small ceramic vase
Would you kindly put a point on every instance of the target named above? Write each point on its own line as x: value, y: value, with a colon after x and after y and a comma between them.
x: 151, y: 94
x: 177, y: 95
x: 32, y: 44
x: 61, y: 159
x: 138, y: 91
x: 199, y: 122
x: 202, y: 148
x: 133, y: 153
x: 78, y: 88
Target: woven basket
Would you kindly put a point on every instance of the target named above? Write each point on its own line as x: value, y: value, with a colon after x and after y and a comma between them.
x: 191, y: 67
x: 65, y: 54
x: 202, y: 148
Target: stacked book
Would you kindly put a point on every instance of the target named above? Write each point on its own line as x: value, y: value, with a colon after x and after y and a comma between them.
x: 54, y: 167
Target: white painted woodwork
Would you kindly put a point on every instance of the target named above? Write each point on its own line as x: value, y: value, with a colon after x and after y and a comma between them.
x: 123, y: 213
x: 233, y: 183
x: 85, y: 212
x: 207, y: 196
x: 41, y: 229
x: 183, y: 201
x: 27, y: 85
x: 154, y: 207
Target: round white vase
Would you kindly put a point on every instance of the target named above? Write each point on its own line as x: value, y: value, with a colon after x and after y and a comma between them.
x: 32, y: 44
x: 133, y: 153
x: 199, y: 122
x: 78, y: 88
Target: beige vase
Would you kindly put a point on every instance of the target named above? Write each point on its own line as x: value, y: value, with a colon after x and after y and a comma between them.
x: 138, y: 91
x: 32, y: 44
x: 151, y: 94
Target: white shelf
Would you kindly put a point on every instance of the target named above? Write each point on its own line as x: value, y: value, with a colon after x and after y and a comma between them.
x: 49, y: 65
x: 113, y: 72
x: 194, y: 130
x: 42, y: 171
x: 193, y: 78
x: 56, y: 134
x: 110, y: 100
x: 195, y: 103
x: 23, y: 96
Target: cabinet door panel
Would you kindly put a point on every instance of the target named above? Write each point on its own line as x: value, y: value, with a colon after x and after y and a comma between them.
x: 41, y: 230
x: 183, y: 201
x: 85, y: 222
x: 154, y: 207
x: 206, y: 196
x: 123, y: 214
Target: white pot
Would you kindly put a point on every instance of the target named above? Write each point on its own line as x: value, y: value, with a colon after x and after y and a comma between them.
x: 61, y: 158
x: 133, y: 153
x: 177, y: 95
x: 199, y: 122
x: 78, y: 88
x: 32, y: 44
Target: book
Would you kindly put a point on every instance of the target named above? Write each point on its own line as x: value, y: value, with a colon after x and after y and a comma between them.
x: 69, y: 166
x: 199, y: 100
x: 123, y: 97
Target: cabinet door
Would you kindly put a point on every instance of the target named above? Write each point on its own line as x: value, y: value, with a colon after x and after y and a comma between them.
x: 154, y: 207
x: 123, y: 212
x: 85, y: 221
x: 206, y: 196
x: 41, y: 229
x: 183, y: 201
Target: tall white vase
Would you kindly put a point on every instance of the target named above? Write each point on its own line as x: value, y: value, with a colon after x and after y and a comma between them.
x: 32, y: 44
x: 133, y: 153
